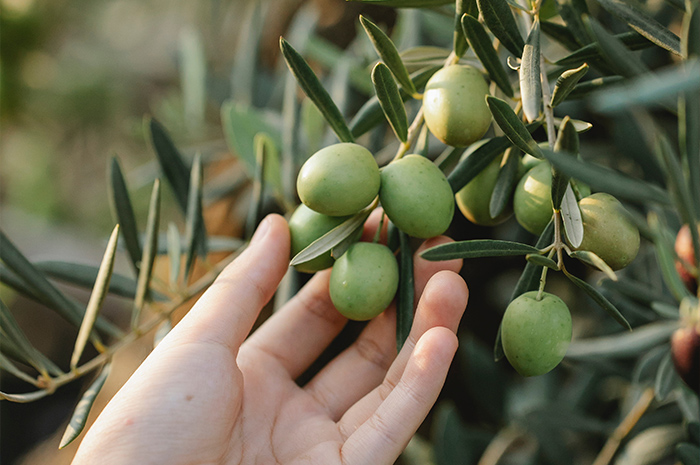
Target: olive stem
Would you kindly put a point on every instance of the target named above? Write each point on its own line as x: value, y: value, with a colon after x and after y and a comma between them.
x: 543, y: 276
x: 378, y: 232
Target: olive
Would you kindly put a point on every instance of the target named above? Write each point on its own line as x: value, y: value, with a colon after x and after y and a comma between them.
x: 532, y: 200
x: 474, y: 199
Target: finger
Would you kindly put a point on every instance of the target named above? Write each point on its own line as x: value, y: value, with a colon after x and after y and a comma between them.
x: 227, y: 311
x: 363, y: 366
x: 371, y: 225
x: 442, y: 305
x: 386, y: 432
x: 297, y: 334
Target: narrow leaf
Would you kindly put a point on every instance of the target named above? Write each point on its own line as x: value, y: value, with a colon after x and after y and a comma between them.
x: 81, y: 412
x: 194, y: 225
x: 99, y: 291
x: 459, y: 41
x: 583, y: 89
x: 405, y: 3
x: 566, y: 83
x: 530, y: 82
x: 616, y: 55
x: 332, y: 238
x: 594, y: 260
x: 666, y: 258
x: 501, y: 23
x: 477, y: 248
x: 123, y: 211
x: 405, y: 298
x: 607, y: 180
x: 688, y: 453
x: 149, y: 254
x: 315, y: 91
x: 665, y: 378
x: 643, y: 24
x: 506, y: 181
x: 16, y: 337
x: 171, y: 163
x: 387, y: 51
x: 571, y: 216
x: 390, y: 100
x: 604, y: 303
x: 162, y: 331
x: 193, y: 78
x: 7, y: 365
x: 567, y: 143
x: 511, y: 125
x: 37, y: 360
x: 623, y: 345
x: 473, y: 161
x: 483, y: 48
x: 571, y: 14
x: 174, y: 254
x: 592, y: 53
x: 24, y: 398
x: 263, y: 151
x: 541, y: 260
x: 561, y: 34
x: 530, y: 277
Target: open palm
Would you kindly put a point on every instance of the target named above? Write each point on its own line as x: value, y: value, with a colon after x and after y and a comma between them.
x: 211, y: 394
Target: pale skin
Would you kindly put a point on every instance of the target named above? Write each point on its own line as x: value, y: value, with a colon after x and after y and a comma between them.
x: 212, y: 394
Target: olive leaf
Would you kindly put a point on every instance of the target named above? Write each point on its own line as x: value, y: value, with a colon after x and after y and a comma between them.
x: 566, y: 82
x: 623, y: 345
x: 406, y: 3
x: 13, y: 336
x: 571, y: 12
x: 561, y: 34
x: 687, y: 453
x: 7, y: 365
x: 477, y: 248
x: 665, y: 257
x: 583, y: 89
x: 459, y: 41
x: 592, y: 53
x: 616, y: 55
x: 24, y: 398
x: 314, y: 90
x: 390, y: 56
x: 666, y: 378
x: 530, y: 82
x: 99, y: 291
x: 567, y: 143
x: 506, y: 181
x: 541, y: 260
x: 594, y: 260
x: 123, y: 211
x: 501, y: 23
x: 174, y: 253
x: 149, y: 254
x: 513, y: 128
x: 291, y: 153
x: 82, y: 410
x: 643, y: 24
x: 529, y: 278
x: 571, y: 216
x: 405, y: 299
x: 193, y: 76
x: 474, y: 160
x: 390, y: 100
x: 171, y: 162
x: 604, y: 303
x: 264, y: 150
x: 481, y: 44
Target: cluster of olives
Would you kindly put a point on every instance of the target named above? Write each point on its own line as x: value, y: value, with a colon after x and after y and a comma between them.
x: 341, y: 180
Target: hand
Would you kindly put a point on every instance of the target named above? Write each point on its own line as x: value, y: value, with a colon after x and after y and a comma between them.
x: 207, y: 394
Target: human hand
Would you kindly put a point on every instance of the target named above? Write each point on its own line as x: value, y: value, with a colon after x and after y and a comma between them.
x: 207, y: 394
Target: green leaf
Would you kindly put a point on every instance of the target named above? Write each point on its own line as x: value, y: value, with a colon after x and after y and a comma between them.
x: 405, y: 298
x: 85, y: 275
x: 616, y: 55
x: 241, y: 123
x: 370, y: 114
x: 623, y: 345
x: 194, y: 225
x: 453, y: 442
x: 594, y: 260
x: 566, y: 83
x: 604, y: 303
x: 501, y: 23
x: 423, y: 143
x: 666, y: 378
x: 477, y: 248
x: 387, y: 52
x: 483, y: 48
x: 99, y: 292
x: 123, y: 211
x: 541, y: 260
x: 511, y: 125
x: 193, y: 77
x: 291, y: 153
x: 15, y: 336
x: 688, y: 454
x: 149, y: 254
x: 583, y: 89
x: 561, y: 34
x: 390, y: 100
x: 567, y: 143
x: 24, y: 398
x: 459, y: 41
x: 7, y: 365
x: 332, y: 238
x: 530, y: 277
x: 643, y: 24
x: 571, y: 13
x: 530, y: 82
x: 171, y: 162
x: 592, y: 53
x: 506, y: 181
x: 650, y: 89
x: 46, y: 292
x: 498, y: 352
x: 666, y: 258
x: 81, y: 412
x: 264, y: 149
x: 314, y: 90
x: 36, y: 359
x: 405, y: 3
x: 607, y: 180
x: 473, y: 161
x: 174, y: 254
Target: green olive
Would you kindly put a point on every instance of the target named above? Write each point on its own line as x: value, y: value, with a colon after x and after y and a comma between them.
x: 454, y: 105
x: 364, y: 280
x: 339, y: 180
x: 305, y: 226
x: 532, y: 201
x: 474, y: 199
x: 536, y: 333
x: 608, y: 231
x: 417, y: 197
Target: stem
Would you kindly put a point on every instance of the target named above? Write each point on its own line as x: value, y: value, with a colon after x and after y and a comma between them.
x: 500, y: 444
x: 543, y: 276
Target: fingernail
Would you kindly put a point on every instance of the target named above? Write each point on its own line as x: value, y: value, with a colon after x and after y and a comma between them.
x: 261, y: 232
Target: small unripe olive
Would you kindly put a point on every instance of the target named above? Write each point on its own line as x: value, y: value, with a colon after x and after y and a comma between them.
x: 474, y: 199
x: 339, y: 180
x: 685, y: 352
x: 536, y: 333
x: 364, y: 280
x: 607, y: 230
x: 305, y: 226
x: 454, y: 105
x: 532, y: 201
x: 686, y: 264
x: 417, y: 197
